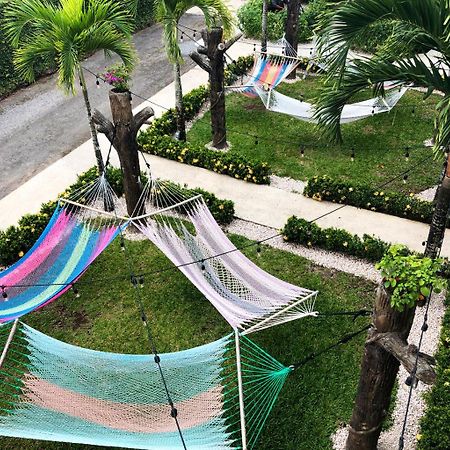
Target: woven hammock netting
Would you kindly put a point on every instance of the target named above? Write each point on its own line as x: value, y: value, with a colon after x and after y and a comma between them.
x: 51, y: 390
x: 269, y: 70
x: 72, y: 240
x: 249, y: 298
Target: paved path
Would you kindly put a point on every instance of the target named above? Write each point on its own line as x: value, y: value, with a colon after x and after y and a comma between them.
x: 40, y: 124
x: 266, y: 205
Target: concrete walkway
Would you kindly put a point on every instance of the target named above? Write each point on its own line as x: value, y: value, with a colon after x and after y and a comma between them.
x: 266, y: 205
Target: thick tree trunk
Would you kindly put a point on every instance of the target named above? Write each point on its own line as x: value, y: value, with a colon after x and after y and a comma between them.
x: 181, y: 121
x: 291, y: 29
x: 97, y: 151
x: 214, y: 49
x: 265, y: 8
x: 123, y: 136
x: 379, y: 368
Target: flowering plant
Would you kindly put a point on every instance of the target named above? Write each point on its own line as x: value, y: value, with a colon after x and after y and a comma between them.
x: 118, y: 76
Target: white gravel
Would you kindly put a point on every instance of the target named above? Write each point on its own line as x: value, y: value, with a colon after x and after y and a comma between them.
x: 389, y: 439
x: 323, y: 258
x: 427, y: 194
x: 287, y: 184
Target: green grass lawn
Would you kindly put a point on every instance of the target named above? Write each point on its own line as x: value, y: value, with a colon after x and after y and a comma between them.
x: 316, y: 398
x: 379, y: 141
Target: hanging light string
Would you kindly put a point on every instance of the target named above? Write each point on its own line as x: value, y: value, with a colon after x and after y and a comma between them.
x: 240, y: 248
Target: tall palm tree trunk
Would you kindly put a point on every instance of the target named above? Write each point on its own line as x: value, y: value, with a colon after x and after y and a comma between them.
x: 181, y: 123
x: 291, y: 28
x: 379, y: 368
x: 97, y: 151
x: 265, y: 8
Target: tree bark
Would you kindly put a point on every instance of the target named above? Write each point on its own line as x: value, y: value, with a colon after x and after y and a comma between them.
x: 265, y: 8
x: 214, y: 49
x: 97, y: 151
x: 181, y: 121
x: 291, y: 28
x: 379, y: 367
x: 123, y: 136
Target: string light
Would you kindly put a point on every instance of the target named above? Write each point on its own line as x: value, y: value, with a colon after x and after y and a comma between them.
x: 203, y: 265
x: 405, y: 178
x: 352, y: 157
x: 97, y: 82
x: 182, y: 36
x: 407, y: 154
x: 122, y: 243
x: 130, y: 97
x: 141, y: 281
x: 256, y: 140
x: 4, y: 293
x: 75, y: 291
x: 258, y: 250
x: 302, y: 152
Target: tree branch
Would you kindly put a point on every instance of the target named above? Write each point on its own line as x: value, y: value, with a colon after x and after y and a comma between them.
x: 200, y: 61
x: 231, y: 41
x: 104, y: 125
x: 141, y: 117
x: 406, y: 355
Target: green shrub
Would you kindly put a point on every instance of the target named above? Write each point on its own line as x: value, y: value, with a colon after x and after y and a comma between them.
x: 15, y: 241
x: 250, y: 16
x: 375, y: 36
x: 230, y: 164
x: 435, y: 424
x: 362, y: 196
x: 300, y: 231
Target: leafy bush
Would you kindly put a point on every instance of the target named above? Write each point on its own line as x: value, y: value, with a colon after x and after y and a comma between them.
x: 250, y: 16
x: 15, y: 241
x: 409, y: 277
x: 362, y: 196
x: 376, y: 35
x: 435, y: 424
x: 300, y: 231
x: 230, y: 164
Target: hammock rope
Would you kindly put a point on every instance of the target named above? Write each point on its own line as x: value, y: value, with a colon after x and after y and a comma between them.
x: 250, y: 299
x: 51, y: 390
x: 74, y: 237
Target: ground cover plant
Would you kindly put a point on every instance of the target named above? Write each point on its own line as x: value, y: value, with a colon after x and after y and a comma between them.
x: 315, y: 400
x: 380, y: 142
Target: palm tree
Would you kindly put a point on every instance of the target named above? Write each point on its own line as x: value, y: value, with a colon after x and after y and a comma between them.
x: 169, y: 13
x: 65, y: 34
x: 419, y: 27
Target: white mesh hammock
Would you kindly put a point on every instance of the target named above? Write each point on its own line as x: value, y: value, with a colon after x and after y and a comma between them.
x: 274, y: 101
x: 249, y: 298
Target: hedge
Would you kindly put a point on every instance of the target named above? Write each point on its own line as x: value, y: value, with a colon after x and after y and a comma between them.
x: 300, y: 231
x: 250, y: 16
x: 363, y: 196
x: 10, y: 81
x: 435, y: 424
x: 15, y: 241
x: 157, y: 139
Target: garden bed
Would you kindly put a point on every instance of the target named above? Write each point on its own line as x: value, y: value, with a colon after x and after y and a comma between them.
x: 380, y: 142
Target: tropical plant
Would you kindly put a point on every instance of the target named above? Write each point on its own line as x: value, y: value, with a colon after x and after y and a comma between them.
x: 418, y: 27
x: 118, y: 76
x: 66, y: 34
x: 169, y: 13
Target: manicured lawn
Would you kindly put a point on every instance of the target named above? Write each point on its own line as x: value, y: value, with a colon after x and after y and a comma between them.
x: 379, y: 141
x: 316, y: 398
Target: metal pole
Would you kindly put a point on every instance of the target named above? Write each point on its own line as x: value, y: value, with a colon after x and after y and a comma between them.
x: 8, y: 342
x: 241, y: 392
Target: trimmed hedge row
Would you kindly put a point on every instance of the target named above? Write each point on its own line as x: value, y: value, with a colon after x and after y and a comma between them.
x: 362, y: 196
x: 15, y: 241
x: 10, y: 81
x: 300, y: 231
x: 435, y: 424
x: 157, y: 139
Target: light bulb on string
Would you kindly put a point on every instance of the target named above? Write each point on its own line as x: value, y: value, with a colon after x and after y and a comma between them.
x: 352, y: 156
x: 195, y: 32
x: 97, y: 82
x: 256, y: 140
x: 405, y: 178
x: 182, y: 36
x: 407, y: 154
x: 141, y: 281
x: 130, y: 97
x: 122, y: 243
x: 302, y: 152
x: 4, y: 293
x: 254, y: 47
x: 258, y: 250
x: 203, y: 267
x: 75, y: 291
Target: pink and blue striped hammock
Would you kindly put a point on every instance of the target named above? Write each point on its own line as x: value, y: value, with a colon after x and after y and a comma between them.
x: 71, y: 241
